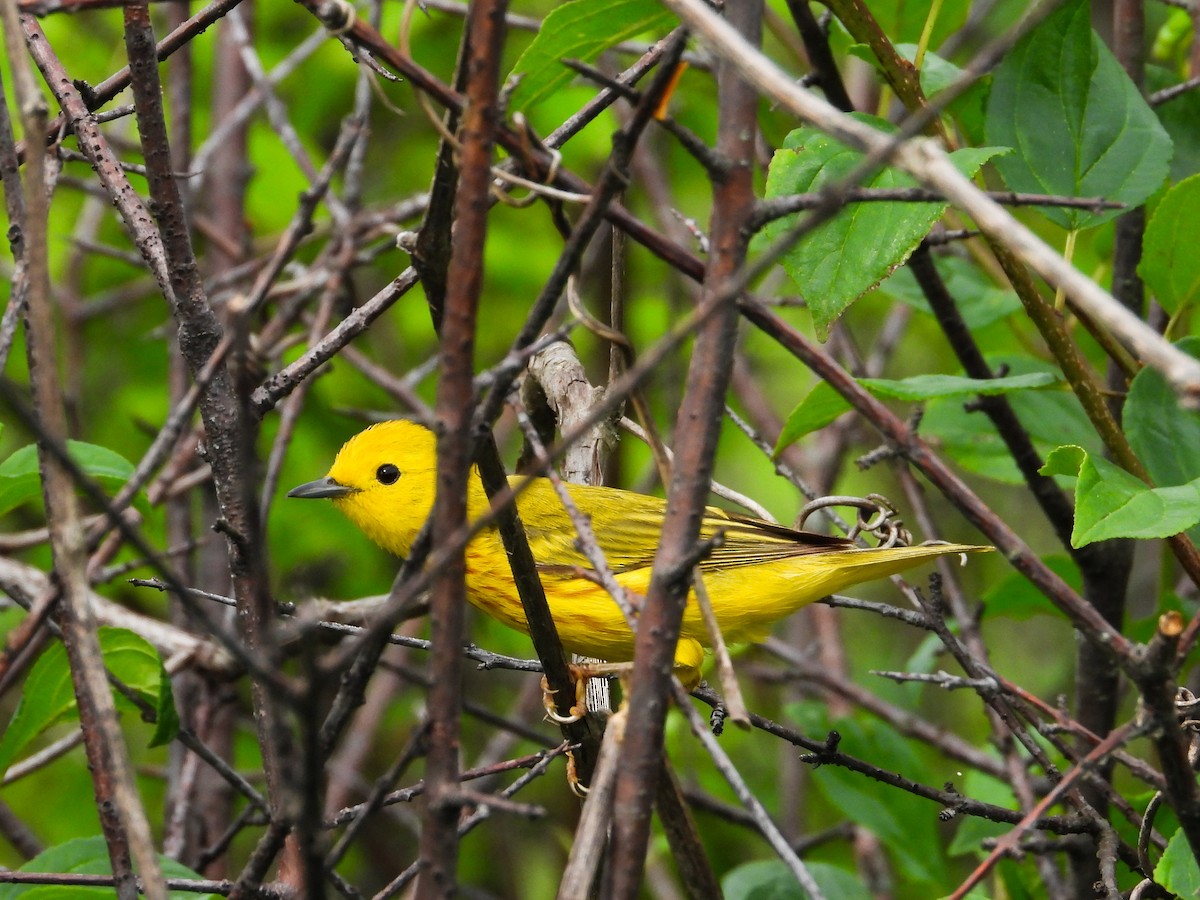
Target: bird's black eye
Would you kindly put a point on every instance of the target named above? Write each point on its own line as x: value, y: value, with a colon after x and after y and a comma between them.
x: 387, y: 474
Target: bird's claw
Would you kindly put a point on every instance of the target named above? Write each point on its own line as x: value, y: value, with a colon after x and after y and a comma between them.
x: 578, y: 788
x: 577, y: 711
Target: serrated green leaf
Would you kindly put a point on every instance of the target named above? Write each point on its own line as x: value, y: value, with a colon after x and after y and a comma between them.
x: 928, y: 387
x: 1177, y: 870
x: 842, y: 259
x: 1111, y: 503
x: 821, y: 407
x: 1170, y: 265
x: 1079, y: 125
x: 86, y: 856
x: 582, y: 29
x: 48, y: 697
x: 20, y: 480
x: 772, y: 880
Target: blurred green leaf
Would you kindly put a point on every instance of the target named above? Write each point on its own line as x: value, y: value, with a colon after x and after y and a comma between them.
x: 1180, y: 116
x: 21, y: 482
x: 928, y: 387
x: 1177, y: 870
x: 87, y: 856
x: 1079, y: 125
x: 823, y: 404
x: 903, y: 21
x: 772, y: 880
x: 1173, y: 40
x: 1170, y: 264
x: 1111, y: 503
x: 980, y: 302
x: 1163, y: 434
x: 582, y: 29
x: 850, y: 254
x: 819, y: 408
x: 1016, y: 883
x: 1052, y: 418
x: 48, y: 697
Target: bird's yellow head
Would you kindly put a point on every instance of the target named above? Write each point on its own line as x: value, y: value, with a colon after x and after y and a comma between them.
x: 383, y: 480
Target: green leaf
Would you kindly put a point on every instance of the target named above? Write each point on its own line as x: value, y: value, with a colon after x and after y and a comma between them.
x: 772, y: 880
x: 1052, y: 418
x: 980, y: 302
x: 1170, y: 265
x: 1163, y: 434
x: 937, y: 74
x: 582, y: 29
x: 86, y: 856
x: 822, y: 405
x: 1111, y: 503
x: 928, y: 387
x: 1079, y: 125
x: 850, y: 254
x: 21, y: 482
x: 48, y: 697
x: 1177, y: 870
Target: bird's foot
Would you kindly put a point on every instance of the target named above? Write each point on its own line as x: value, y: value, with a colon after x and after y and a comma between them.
x: 580, y: 675
x: 579, y: 709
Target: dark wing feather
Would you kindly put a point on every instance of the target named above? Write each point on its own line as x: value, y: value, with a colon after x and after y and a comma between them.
x: 747, y: 541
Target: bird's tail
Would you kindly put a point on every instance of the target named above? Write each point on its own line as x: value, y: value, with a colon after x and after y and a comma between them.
x: 856, y: 566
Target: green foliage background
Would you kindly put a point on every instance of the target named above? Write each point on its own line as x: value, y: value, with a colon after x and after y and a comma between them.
x: 116, y: 361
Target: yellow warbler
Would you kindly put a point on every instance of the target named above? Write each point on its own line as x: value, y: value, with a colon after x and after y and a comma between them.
x: 383, y: 480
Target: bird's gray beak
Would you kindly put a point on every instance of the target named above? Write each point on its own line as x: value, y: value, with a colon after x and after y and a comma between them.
x: 325, y: 488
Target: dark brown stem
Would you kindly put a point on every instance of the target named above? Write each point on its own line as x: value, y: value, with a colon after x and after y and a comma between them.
x: 223, y: 407
x: 820, y: 56
x: 455, y: 403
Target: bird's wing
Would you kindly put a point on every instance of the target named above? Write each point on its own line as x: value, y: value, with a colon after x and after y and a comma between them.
x: 746, y: 541
x: 628, y: 527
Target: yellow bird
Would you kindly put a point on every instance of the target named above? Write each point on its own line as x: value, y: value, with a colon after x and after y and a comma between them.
x: 383, y: 480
